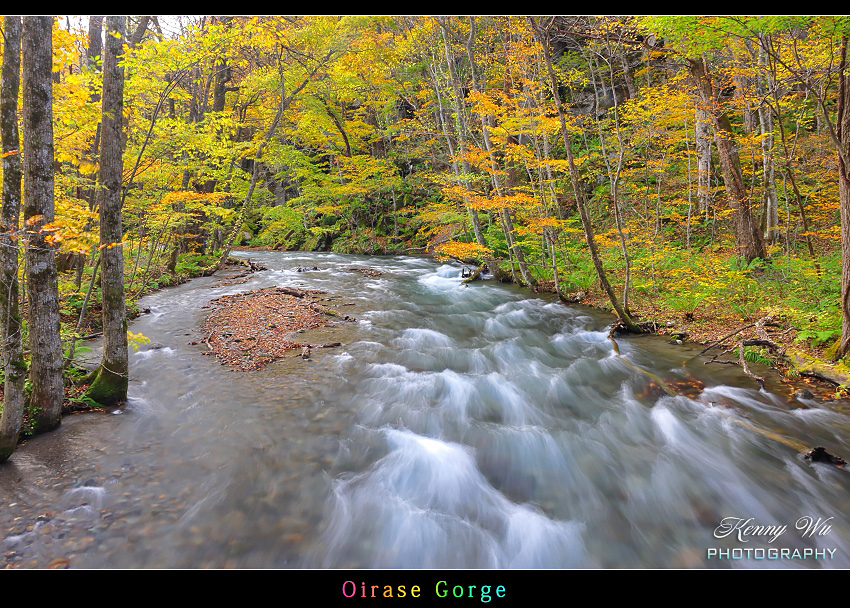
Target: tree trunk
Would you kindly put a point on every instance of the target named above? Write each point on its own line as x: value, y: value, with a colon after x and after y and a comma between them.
x: 110, y: 384
x: 747, y: 234
x: 95, y: 50
x: 139, y: 32
x: 486, y: 124
x: 771, y: 199
x: 703, y: 146
x: 543, y: 39
x: 460, y: 130
x: 14, y: 365
x: 843, y: 136
x: 42, y: 280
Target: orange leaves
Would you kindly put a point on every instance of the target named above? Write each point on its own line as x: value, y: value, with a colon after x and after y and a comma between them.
x: 490, y: 203
x: 458, y: 194
x: 9, y: 153
x: 537, y: 225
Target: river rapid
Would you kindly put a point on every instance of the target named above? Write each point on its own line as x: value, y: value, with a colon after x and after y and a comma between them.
x: 477, y: 426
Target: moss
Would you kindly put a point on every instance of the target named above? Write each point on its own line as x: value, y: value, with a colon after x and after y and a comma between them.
x: 107, y: 389
x: 837, y: 373
x: 6, y: 450
x: 830, y: 353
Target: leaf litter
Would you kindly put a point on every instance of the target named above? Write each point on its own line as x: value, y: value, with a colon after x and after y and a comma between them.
x: 249, y: 330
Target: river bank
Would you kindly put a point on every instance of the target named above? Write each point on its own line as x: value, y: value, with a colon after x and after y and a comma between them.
x: 804, y: 370
x: 469, y: 427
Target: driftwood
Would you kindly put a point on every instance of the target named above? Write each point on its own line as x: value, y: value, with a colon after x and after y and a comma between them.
x: 247, y: 263
x: 473, y: 276
x: 763, y: 339
x: 365, y: 270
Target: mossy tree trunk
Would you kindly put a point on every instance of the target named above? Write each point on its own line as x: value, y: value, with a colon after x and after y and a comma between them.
x: 14, y: 365
x: 109, y: 386
x: 42, y: 279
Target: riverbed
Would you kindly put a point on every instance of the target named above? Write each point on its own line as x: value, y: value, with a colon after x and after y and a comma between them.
x: 478, y: 426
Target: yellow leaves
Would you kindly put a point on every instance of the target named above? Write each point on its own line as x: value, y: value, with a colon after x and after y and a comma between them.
x: 74, y: 225
x: 538, y: 224
x: 494, y: 203
x: 328, y: 209
x: 200, y: 198
x: 458, y: 194
x: 87, y: 167
x: 135, y: 340
x: 462, y: 251
x: 557, y: 164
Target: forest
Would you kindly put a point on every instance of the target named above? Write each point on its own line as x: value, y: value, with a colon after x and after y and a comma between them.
x: 687, y: 174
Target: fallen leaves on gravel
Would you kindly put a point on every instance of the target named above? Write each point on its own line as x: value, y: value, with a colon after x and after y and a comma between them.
x: 249, y: 330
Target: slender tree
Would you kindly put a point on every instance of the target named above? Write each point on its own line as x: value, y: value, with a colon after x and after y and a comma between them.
x: 41, y: 275
x: 14, y: 365
x: 843, y: 136
x: 110, y: 383
x: 542, y: 35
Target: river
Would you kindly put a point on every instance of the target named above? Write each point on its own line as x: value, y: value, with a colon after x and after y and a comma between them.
x: 477, y: 426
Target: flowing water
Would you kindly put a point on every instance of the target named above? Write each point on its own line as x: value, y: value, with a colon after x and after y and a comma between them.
x: 456, y: 427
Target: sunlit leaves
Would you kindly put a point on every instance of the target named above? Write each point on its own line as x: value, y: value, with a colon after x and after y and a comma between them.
x: 462, y: 251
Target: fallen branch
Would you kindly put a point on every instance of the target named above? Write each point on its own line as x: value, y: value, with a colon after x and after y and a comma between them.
x: 726, y: 337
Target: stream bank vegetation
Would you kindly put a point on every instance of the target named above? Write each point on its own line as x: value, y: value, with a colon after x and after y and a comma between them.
x: 688, y: 174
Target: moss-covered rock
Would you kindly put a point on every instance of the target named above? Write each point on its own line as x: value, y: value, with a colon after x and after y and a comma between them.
x: 802, y: 363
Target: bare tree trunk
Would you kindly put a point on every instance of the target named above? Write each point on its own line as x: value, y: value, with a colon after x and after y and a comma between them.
x: 139, y: 32
x: 109, y: 386
x: 747, y: 234
x: 42, y: 280
x: 95, y: 49
x: 14, y: 365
